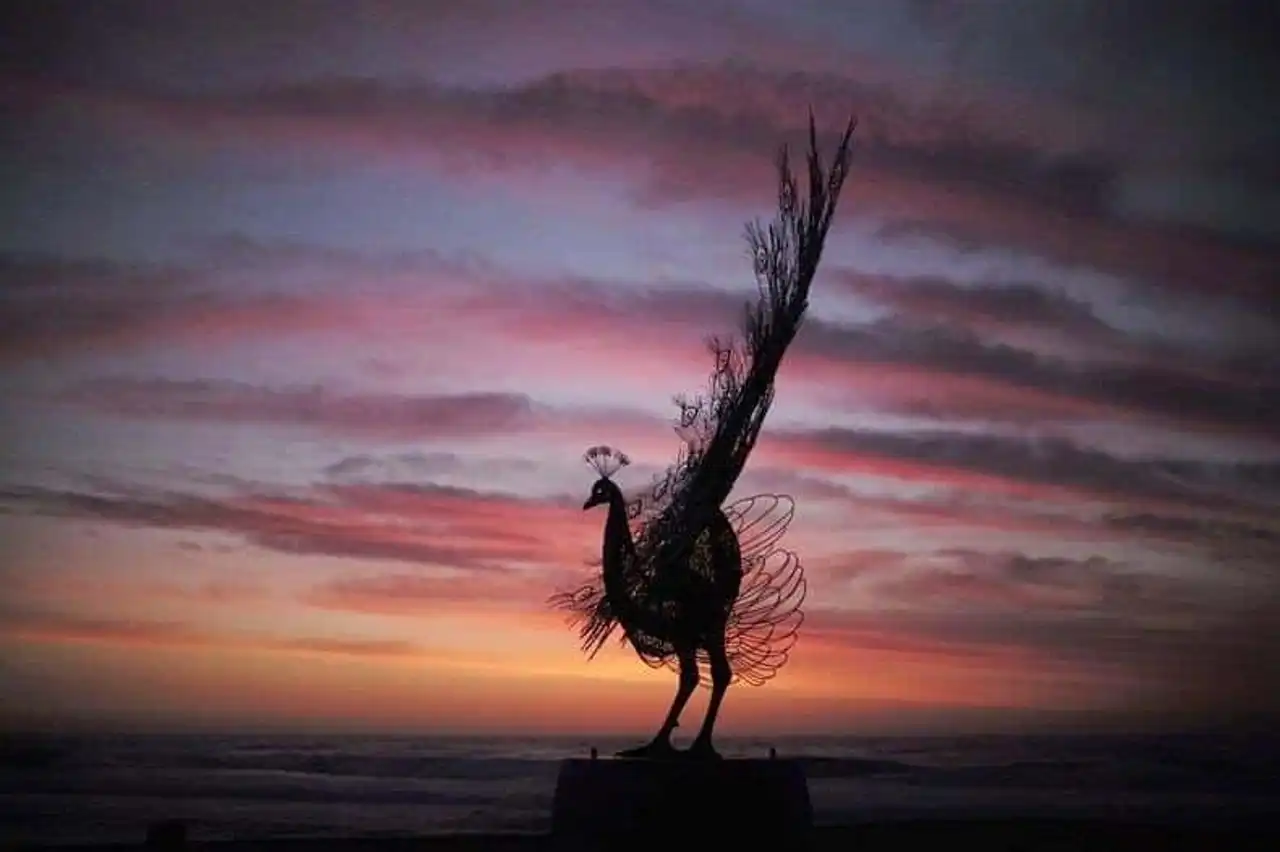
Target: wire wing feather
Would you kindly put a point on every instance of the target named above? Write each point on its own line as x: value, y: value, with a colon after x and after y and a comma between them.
x: 760, y: 522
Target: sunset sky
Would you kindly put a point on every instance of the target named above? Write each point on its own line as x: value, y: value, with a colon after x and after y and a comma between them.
x: 308, y: 311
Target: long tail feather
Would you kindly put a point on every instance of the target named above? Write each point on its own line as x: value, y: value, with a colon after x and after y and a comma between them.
x: 721, y: 427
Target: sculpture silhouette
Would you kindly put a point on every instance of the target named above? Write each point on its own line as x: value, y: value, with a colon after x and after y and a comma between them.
x: 689, y: 579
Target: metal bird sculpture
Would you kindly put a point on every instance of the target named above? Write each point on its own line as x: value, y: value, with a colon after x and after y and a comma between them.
x: 689, y: 579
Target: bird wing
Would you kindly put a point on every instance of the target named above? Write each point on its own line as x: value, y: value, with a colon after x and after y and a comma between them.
x: 766, y: 616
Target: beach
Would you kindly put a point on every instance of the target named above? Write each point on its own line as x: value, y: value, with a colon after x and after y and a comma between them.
x: 388, y: 793
x: 989, y: 835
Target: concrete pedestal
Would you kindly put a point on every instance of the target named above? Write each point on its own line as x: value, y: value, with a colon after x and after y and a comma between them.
x: 665, y: 805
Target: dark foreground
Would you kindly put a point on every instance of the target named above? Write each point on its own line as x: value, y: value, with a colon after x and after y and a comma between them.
x: 942, y: 835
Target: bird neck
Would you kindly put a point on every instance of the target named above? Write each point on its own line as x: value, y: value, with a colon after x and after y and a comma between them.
x: 623, y: 588
x: 619, y: 547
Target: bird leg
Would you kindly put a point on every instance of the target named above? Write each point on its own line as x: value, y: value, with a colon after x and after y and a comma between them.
x: 721, y: 674
x: 661, y: 746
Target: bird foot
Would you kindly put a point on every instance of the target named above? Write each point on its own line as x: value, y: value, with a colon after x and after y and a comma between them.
x: 659, y: 749
x: 702, y: 750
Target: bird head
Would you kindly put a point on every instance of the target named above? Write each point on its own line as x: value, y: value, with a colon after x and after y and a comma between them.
x: 601, y: 492
x: 606, y: 461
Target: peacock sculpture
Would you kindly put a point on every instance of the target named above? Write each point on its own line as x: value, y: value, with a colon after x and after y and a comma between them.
x: 691, y: 581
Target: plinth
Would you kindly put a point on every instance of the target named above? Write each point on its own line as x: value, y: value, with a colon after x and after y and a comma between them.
x: 624, y: 803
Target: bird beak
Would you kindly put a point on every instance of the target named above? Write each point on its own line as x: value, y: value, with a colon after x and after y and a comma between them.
x: 591, y: 501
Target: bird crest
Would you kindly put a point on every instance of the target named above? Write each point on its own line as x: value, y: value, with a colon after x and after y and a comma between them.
x: 606, y: 461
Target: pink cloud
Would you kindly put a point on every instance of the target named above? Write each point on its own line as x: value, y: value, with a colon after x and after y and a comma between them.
x: 48, y: 626
x: 449, y: 528
x: 417, y: 596
x: 62, y: 309
x: 1039, y: 469
x: 389, y: 415
x: 968, y: 169
x: 229, y: 592
x: 650, y: 336
x: 1043, y: 468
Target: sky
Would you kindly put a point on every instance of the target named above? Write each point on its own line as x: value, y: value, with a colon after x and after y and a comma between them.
x: 308, y: 311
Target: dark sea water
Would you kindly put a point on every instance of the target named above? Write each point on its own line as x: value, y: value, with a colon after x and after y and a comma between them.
x: 107, y: 789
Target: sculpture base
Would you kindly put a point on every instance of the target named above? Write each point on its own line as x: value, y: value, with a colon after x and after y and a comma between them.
x: 611, y: 804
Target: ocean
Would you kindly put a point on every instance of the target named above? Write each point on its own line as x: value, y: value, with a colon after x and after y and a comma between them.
x: 85, y: 789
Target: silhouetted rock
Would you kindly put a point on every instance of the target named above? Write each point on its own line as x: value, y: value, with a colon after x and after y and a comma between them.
x: 167, y: 834
x: 611, y: 804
